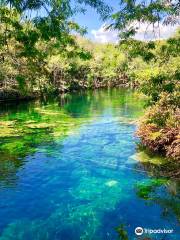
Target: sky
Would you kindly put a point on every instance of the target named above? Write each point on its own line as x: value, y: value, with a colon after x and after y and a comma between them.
x: 97, y: 32
x: 91, y: 20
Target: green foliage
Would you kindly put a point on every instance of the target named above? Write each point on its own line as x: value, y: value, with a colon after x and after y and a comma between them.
x: 41, y: 54
x: 159, y: 79
x: 21, y: 81
x: 154, y: 65
x: 89, y: 66
x: 159, y: 130
x: 26, y: 43
x: 137, y: 48
x: 134, y: 11
x: 55, y: 22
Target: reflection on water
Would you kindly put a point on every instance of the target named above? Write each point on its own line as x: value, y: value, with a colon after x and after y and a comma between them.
x: 69, y: 170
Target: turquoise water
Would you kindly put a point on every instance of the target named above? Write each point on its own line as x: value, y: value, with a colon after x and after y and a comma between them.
x: 69, y: 171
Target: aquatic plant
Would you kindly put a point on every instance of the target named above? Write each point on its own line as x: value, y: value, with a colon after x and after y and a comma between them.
x: 145, y: 190
x: 122, y: 232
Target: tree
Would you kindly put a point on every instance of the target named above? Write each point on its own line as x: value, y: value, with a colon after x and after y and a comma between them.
x: 27, y: 38
x: 134, y: 12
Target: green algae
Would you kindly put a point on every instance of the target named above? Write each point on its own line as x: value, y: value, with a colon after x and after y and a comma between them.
x: 169, y: 203
x: 48, y: 112
x: 27, y: 125
x: 122, y: 233
x: 22, y: 132
x: 8, y: 132
x: 40, y: 125
x: 14, y: 147
x: 144, y: 157
x: 146, y: 189
x: 7, y: 129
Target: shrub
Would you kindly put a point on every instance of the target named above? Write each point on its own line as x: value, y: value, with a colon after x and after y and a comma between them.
x: 159, y: 130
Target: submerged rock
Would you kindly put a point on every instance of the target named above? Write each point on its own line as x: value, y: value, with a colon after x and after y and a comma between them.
x: 111, y: 183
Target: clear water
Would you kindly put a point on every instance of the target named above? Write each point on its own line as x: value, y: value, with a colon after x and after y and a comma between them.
x: 69, y: 171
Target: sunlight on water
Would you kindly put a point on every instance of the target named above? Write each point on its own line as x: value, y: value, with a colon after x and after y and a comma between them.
x: 69, y: 170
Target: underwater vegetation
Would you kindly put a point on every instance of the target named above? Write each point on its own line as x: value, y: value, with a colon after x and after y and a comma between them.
x: 170, y: 203
x: 22, y: 132
x: 26, y: 126
x: 146, y: 189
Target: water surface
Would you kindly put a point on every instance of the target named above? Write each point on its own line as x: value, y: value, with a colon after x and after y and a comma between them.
x: 69, y: 171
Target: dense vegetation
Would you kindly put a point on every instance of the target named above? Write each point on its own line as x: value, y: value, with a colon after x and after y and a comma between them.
x: 156, y: 69
x: 55, y: 65
x: 44, y: 54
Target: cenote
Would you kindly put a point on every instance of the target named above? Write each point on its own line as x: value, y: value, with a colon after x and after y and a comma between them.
x: 70, y: 170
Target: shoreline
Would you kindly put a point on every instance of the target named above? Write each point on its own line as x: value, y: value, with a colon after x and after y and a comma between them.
x: 9, y: 95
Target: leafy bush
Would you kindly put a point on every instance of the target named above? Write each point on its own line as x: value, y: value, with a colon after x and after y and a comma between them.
x: 159, y: 131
